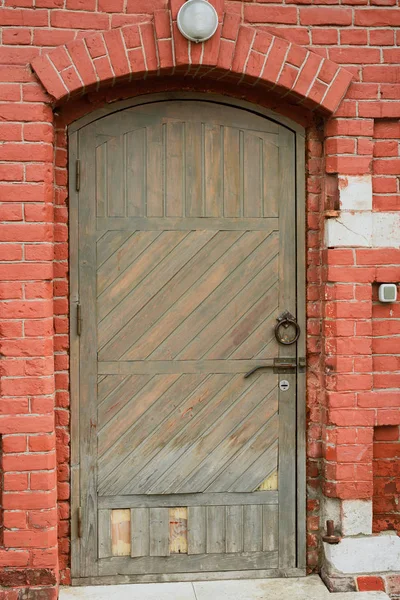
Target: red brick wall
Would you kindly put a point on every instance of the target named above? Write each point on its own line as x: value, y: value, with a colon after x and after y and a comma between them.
x: 353, y: 378
x: 386, y: 500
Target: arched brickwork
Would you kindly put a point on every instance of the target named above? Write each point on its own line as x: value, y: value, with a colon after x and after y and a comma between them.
x: 238, y: 54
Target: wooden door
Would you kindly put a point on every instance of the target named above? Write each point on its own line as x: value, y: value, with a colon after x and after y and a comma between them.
x: 187, y: 255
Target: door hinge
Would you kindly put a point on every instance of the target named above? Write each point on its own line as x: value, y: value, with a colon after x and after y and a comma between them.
x: 79, y: 522
x: 78, y: 319
x: 78, y: 175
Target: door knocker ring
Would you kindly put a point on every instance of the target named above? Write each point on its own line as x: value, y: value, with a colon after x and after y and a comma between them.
x: 284, y: 321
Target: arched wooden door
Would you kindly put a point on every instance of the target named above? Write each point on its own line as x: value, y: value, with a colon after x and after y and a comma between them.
x: 186, y: 257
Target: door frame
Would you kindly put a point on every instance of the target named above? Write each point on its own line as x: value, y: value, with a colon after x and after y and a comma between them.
x: 300, y: 228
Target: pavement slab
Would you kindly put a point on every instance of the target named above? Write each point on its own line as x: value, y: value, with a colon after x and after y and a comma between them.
x: 300, y: 588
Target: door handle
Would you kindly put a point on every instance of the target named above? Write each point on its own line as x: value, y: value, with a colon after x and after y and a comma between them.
x: 279, y: 365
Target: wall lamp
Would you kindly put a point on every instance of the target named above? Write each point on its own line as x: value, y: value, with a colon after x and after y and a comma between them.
x: 197, y: 20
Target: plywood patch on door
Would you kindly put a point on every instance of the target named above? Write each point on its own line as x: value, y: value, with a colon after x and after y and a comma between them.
x: 178, y: 542
x: 121, y: 532
x: 269, y: 484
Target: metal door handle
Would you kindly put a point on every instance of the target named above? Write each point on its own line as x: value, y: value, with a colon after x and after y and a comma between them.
x: 285, y: 320
x: 279, y: 365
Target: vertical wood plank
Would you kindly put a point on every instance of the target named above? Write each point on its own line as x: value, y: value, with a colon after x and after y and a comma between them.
x: 232, y: 174
x: 116, y: 177
x: 105, y: 545
x: 101, y: 180
x: 178, y: 539
x: 301, y: 349
x: 234, y: 529
x: 213, y: 143
x: 155, y: 171
x: 88, y: 350
x: 215, y: 529
x: 121, y: 532
x: 159, y: 532
x: 270, y: 165
x: 135, y: 174
x: 252, y: 528
x: 287, y: 400
x: 140, y: 532
x: 194, y: 169
x: 74, y: 356
x: 270, y: 527
x: 175, y: 169
x: 196, y: 530
x: 252, y: 175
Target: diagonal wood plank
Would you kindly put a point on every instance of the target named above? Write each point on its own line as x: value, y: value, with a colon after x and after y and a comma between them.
x: 123, y: 257
x: 151, y: 475
x: 209, y: 401
x: 132, y: 410
x: 107, y: 384
x: 258, y: 471
x: 173, y: 411
x: 112, y: 302
x: 109, y: 243
x: 170, y: 293
x: 239, y: 284
x: 229, y: 444
x: 227, y: 322
x: 118, y: 398
x: 221, y: 273
x: 184, y: 476
x: 243, y: 329
x: 184, y: 246
x: 241, y: 462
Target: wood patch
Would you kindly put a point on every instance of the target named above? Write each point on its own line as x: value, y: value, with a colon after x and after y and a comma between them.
x: 269, y: 484
x: 121, y: 532
x: 178, y: 541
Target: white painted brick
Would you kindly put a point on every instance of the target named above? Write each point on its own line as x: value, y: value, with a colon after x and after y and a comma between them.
x: 349, y: 230
x: 386, y: 230
x: 356, y: 517
x: 355, y: 192
x: 369, y: 554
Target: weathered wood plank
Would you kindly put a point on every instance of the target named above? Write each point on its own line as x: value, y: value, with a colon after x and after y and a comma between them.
x: 197, y: 529
x: 159, y: 532
x: 170, y: 223
x: 213, y: 141
x: 194, y: 170
x: 116, y: 178
x: 174, y: 159
x: 140, y: 532
x: 252, y: 528
x: 101, y: 181
x: 270, y: 527
x: 105, y: 545
x: 215, y: 522
x: 178, y: 563
x: 190, y: 500
x: 232, y: 173
x: 146, y: 367
x: 155, y: 171
x: 135, y: 172
x: 234, y: 529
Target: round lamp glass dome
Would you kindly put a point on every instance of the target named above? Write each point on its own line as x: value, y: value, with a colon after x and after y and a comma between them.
x: 197, y: 20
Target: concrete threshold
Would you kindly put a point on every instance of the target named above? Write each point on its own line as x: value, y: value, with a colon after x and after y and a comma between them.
x: 304, y: 588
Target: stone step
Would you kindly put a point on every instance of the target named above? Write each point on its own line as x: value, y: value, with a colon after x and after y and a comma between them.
x: 304, y: 588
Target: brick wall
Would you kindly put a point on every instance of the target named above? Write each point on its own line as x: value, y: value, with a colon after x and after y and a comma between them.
x: 354, y: 371
x: 386, y: 501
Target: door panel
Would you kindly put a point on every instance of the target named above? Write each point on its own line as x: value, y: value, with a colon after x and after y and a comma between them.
x: 186, y: 258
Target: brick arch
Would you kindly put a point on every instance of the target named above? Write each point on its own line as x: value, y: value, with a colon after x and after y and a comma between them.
x: 238, y: 54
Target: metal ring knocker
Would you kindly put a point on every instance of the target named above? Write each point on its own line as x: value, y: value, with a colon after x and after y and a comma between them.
x: 284, y: 321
